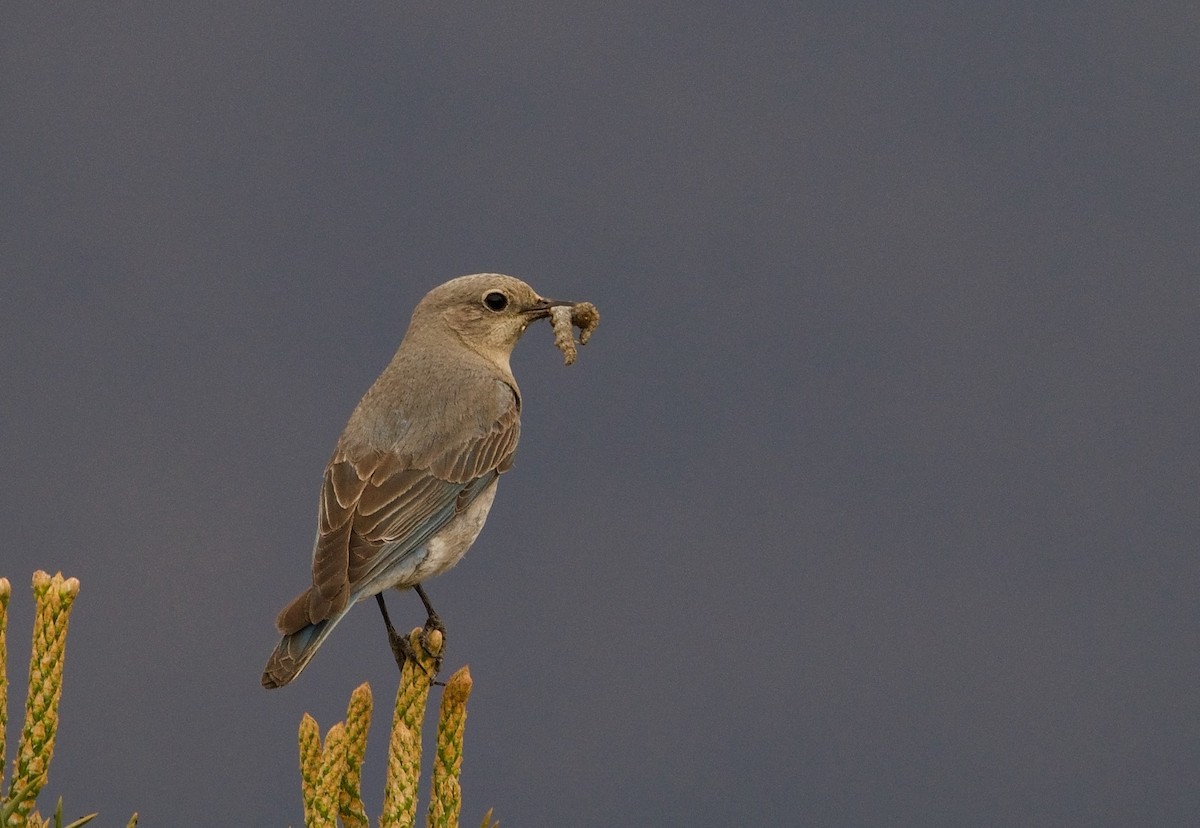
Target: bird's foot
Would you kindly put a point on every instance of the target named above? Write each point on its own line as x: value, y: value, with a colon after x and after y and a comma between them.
x: 430, y: 642
x: 402, y: 648
x: 429, y: 639
x: 432, y: 639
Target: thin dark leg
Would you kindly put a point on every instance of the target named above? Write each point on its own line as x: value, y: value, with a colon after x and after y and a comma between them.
x: 401, y: 647
x: 434, y: 621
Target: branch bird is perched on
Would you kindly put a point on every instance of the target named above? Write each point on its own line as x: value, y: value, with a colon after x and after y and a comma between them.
x: 412, y: 478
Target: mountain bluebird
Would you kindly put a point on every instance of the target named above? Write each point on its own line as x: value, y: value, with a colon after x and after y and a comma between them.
x: 415, y: 470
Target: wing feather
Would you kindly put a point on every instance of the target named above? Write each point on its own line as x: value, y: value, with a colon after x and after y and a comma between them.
x: 377, y: 507
x: 483, y: 453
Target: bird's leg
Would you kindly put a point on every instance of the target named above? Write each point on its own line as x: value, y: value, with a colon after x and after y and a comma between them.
x: 401, y: 647
x: 432, y: 622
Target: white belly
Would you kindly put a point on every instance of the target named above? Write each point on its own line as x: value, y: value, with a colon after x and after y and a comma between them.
x: 447, y: 547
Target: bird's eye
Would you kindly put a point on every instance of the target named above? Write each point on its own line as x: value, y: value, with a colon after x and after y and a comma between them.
x: 495, y: 300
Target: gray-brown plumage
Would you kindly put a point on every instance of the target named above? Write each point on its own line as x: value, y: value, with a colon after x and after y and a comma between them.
x: 412, y: 478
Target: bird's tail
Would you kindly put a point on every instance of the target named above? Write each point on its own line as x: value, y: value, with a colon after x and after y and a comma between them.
x: 294, y: 651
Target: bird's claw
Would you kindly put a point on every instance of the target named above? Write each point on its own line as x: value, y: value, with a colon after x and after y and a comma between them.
x: 432, y: 639
x: 402, y: 648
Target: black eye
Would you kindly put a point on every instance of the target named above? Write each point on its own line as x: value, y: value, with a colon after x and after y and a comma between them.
x: 495, y: 300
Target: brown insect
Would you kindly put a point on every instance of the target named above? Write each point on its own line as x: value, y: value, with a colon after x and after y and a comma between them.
x: 582, y: 315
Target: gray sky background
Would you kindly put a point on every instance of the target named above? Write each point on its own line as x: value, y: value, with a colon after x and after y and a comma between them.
x: 872, y: 502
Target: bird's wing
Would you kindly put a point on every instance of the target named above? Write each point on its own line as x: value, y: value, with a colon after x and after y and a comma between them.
x: 377, y: 507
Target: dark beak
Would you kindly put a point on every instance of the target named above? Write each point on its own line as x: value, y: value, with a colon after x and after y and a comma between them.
x: 541, y: 308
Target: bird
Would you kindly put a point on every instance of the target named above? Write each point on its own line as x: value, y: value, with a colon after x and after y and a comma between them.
x: 414, y: 473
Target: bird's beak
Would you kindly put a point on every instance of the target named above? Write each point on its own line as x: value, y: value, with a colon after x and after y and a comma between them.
x: 541, y: 308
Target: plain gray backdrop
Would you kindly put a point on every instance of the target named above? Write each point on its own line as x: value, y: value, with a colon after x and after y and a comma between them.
x: 873, y: 501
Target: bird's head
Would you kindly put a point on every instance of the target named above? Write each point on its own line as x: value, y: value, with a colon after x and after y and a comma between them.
x: 488, y: 312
